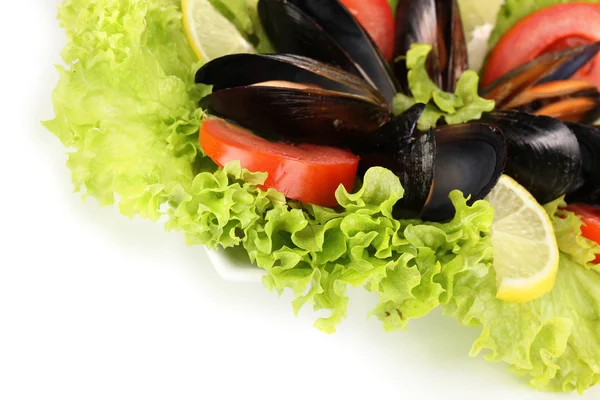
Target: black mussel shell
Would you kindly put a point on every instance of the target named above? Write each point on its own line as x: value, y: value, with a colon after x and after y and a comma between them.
x: 298, y: 116
x: 471, y: 158
x: 438, y: 23
x: 410, y: 154
x: 260, y: 93
x: 328, y: 32
x: 543, y: 153
x: 249, y: 69
x: 587, y: 186
x: 292, y: 31
x: 506, y: 89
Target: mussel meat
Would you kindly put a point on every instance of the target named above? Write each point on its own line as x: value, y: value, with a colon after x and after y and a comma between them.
x: 543, y: 86
x: 293, y: 98
x: 326, y: 31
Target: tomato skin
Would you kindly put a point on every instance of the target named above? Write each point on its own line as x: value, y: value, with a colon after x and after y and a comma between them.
x: 377, y: 18
x: 306, y: 173
x: 550, y: 29
x: 590, y: 216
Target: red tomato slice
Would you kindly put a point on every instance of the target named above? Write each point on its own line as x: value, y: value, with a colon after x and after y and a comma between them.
x: 306, y: 173
x: 377, y: 18
x: 590, y: 216
x: 550, y: 29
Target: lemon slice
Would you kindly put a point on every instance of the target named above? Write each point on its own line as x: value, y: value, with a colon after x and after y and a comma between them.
x: 210, y: 34
x: 525, y: 250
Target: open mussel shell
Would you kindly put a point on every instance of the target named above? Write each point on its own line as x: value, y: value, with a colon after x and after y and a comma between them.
x: 471, y: 158
x: 328, y: 32
x: 237, y: 70
x: 410, y: 154
x: 543, y: 153
x: 587, y: 187
x: 568, y: 100
x: 546, y: 68
x: 293, y: 99
x: 438, y: 23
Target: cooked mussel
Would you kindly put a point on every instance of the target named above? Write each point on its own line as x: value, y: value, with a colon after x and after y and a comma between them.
x: 431, y: 164
x: 328, y: 32
x: 293, y: 98
x: 567, y: 100
x: 438, y: 23
x: 471, y: 158
x: 543, y: 153
x: 410, y: 154
x: 587, y: 186
x: 543, y: 86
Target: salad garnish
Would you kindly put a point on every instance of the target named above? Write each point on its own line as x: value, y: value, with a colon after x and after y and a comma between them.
x: 143, y: 130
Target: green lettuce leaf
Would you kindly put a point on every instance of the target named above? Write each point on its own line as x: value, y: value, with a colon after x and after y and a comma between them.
x: 567, y: 227
x: 125, y: 105
x: 554, y: 341
x: 316, y: 252
x: 462, y: 106
x: 513, y: 11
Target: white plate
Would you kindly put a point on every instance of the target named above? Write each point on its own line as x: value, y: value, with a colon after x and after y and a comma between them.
x: 233, y: 265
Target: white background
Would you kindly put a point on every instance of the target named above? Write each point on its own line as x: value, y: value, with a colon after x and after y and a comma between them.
x: 95, y: 306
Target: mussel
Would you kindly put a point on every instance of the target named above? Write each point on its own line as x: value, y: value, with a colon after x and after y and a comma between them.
x: 293, y: 98
x: 410, y: 154
x: 328, y: 32
x: 567, y: 100
x: 586, y: 188
x: 543, y: 153
x: 543, y: 86
x: 435, y: 22
x: 431, y: 164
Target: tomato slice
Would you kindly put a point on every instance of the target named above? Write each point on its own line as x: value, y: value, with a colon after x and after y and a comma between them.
x: 306, y: 173
x: 590, y: 216
x: 550, y: 29
x: 377, y: 18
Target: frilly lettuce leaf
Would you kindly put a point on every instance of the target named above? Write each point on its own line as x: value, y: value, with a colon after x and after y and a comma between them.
x: 554, y: 340
x: 462, y: 106
x: 567, y: 227
x: 125, y: 105
x: 317, y: 252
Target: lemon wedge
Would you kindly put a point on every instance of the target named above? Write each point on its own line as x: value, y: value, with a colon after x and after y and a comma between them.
x: 210, y: 34
x: 525, y: 249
